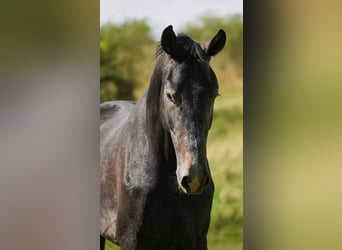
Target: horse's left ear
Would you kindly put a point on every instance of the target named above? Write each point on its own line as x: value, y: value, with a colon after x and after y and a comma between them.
x: 216, y: 44
x: 169, y: 40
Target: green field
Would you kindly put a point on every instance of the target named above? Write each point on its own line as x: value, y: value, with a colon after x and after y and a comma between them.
x: 225, y: 157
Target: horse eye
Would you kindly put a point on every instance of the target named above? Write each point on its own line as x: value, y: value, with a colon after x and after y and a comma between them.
x: 170, y: 97
x: 174, y: 97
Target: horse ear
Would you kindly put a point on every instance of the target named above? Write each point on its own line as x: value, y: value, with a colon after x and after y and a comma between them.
x: 216, y: 44
x: 169, y: 40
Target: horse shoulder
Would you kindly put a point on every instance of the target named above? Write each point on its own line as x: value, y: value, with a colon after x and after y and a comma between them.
x: 112, y: 116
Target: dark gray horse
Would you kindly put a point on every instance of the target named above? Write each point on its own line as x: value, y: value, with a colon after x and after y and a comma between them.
x: 156, y: 187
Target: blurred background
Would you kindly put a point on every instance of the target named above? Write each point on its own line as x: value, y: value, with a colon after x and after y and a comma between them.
x: 49, y: 96
x: 129, y: 35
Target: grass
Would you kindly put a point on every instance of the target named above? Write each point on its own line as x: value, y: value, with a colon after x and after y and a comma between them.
x: 225, y: 157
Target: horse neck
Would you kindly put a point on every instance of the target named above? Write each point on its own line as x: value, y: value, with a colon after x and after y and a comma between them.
x: 160, y: 145
x: 153, y: 120
x: 154, y: 127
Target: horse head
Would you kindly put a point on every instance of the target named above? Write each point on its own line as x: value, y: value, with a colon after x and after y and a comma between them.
x: 189, y: 89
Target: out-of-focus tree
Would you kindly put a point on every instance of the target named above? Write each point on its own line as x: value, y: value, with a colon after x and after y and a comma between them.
x: 122, y: 48
x: 207, y: 26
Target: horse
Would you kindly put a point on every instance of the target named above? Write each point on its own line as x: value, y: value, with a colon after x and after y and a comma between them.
x: 156, y: 188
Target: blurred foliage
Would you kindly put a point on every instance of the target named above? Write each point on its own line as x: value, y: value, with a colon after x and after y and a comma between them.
x: 121, y: 52
x: 207, y: 26
x: 127, y: 49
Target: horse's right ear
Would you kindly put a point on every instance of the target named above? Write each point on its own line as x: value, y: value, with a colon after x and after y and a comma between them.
x: 216, y: 44
x: 169, y: 40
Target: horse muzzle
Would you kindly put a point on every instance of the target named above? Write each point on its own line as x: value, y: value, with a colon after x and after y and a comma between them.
x: 194, y: 184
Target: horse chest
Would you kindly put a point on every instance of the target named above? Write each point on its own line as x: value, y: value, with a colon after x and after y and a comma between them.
x: 176, y: 220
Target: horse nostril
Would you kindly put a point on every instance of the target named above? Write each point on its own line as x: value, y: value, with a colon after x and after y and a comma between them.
x: 185, y: 183
x: 206, y: 180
